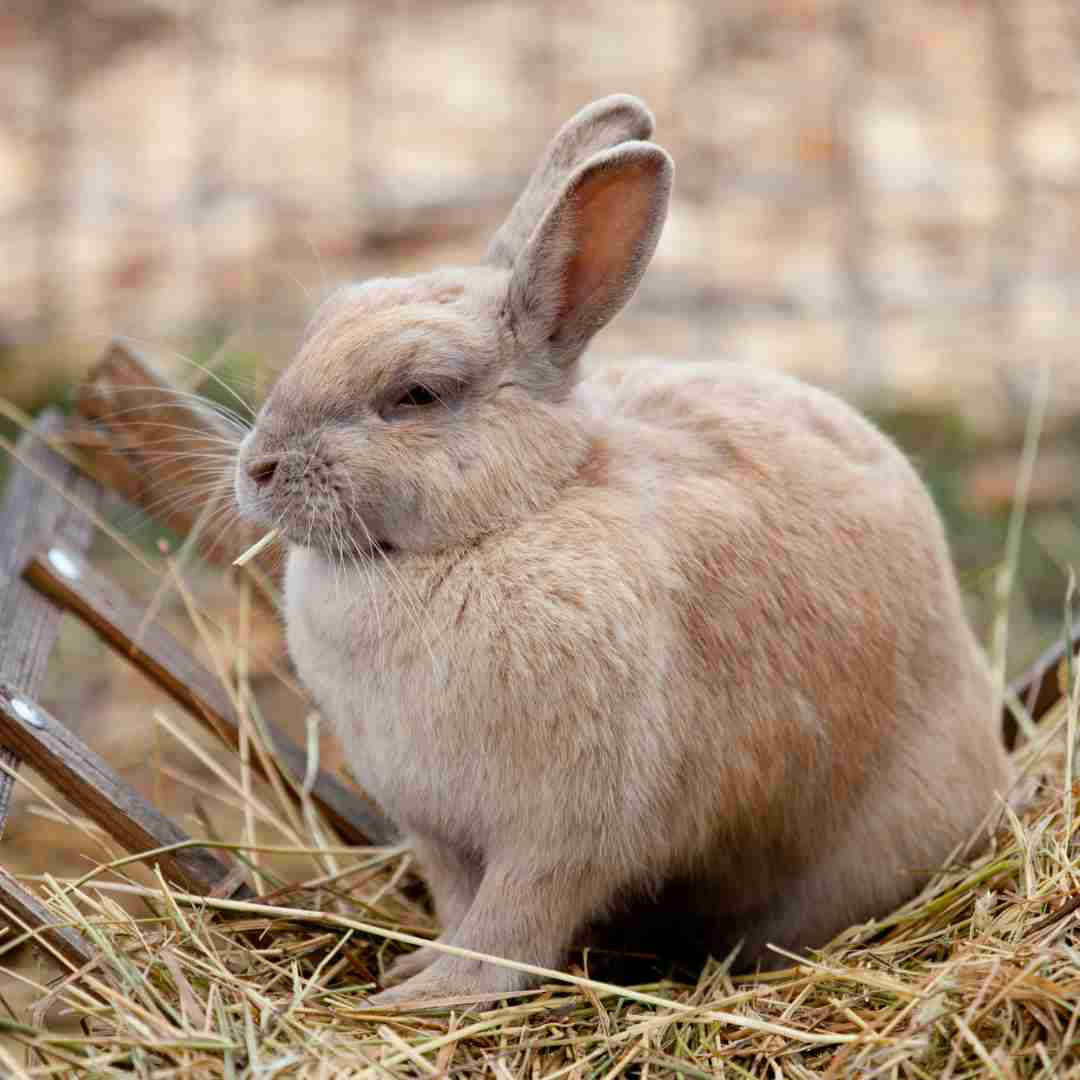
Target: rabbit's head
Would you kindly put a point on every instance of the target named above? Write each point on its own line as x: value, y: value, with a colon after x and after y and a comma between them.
x: 423, y: 412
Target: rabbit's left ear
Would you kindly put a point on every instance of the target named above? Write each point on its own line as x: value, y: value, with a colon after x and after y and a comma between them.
x: 588, y: 253
x: 600, y: 126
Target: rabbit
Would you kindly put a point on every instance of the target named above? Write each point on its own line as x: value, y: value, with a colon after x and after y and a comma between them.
x: 660, y: 647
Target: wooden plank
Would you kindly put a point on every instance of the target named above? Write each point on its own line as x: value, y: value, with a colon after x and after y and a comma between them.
x: 150, y: 443
x: 1039, y: 687
x: 85, y: 780
x: 37, y: 507
x: 24, y: 911
x: 74, y: 584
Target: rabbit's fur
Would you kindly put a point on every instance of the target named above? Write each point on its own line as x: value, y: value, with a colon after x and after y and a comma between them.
x: 670, y: 645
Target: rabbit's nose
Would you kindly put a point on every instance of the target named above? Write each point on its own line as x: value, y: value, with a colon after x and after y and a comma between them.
x: 262, y: 470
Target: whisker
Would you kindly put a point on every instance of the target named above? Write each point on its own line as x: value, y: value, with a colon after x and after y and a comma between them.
x: 191, y: 435
x: 171, y: 502
x: 363, y: 566
x: 412, y: 602
x: 181, y: 399
x: 222, y: 459
x: 202, y: 367
x: 167, y: 582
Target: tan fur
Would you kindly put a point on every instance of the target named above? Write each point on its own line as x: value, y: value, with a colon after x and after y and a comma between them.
x: 674, y: 646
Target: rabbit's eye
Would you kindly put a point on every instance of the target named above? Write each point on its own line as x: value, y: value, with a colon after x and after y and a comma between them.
x: 416, y: 397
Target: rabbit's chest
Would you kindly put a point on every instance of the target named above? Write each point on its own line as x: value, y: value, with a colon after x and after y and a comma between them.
x: 379, y: 668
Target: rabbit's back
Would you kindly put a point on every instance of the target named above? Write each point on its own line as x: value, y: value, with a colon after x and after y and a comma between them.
x: 839, y: 699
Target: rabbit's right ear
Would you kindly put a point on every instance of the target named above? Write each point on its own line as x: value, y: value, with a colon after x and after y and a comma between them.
x: 600, y: 126
x: 585, y: 259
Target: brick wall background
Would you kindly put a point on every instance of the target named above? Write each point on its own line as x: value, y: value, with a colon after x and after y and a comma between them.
x: 882, y: 196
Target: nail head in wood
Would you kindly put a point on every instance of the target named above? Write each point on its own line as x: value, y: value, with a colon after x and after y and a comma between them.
x: 87, y: 781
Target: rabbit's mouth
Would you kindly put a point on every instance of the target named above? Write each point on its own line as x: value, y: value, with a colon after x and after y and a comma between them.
x: 338, y: 544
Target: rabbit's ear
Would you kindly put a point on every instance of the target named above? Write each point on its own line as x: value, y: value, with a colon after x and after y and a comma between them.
x: 599, y: 126
x: 588, y: 254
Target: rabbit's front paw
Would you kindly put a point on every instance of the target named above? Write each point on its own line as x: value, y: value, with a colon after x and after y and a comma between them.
x: 452, y: 977
x: 410, y: 964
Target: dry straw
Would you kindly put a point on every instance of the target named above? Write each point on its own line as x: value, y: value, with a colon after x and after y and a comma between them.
x: 257, y: 548
x: 978, y: 976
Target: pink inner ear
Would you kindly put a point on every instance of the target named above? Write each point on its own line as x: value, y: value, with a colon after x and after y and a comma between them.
x: 611, y: 216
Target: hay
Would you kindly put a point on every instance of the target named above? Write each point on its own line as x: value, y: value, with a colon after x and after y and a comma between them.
x: 257, y: 548
x: 978, y: 976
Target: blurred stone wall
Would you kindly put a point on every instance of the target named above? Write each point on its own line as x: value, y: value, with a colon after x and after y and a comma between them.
x: 882, y: 196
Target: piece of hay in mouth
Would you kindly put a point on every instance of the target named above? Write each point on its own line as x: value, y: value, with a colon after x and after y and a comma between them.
x: 257, y: 548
